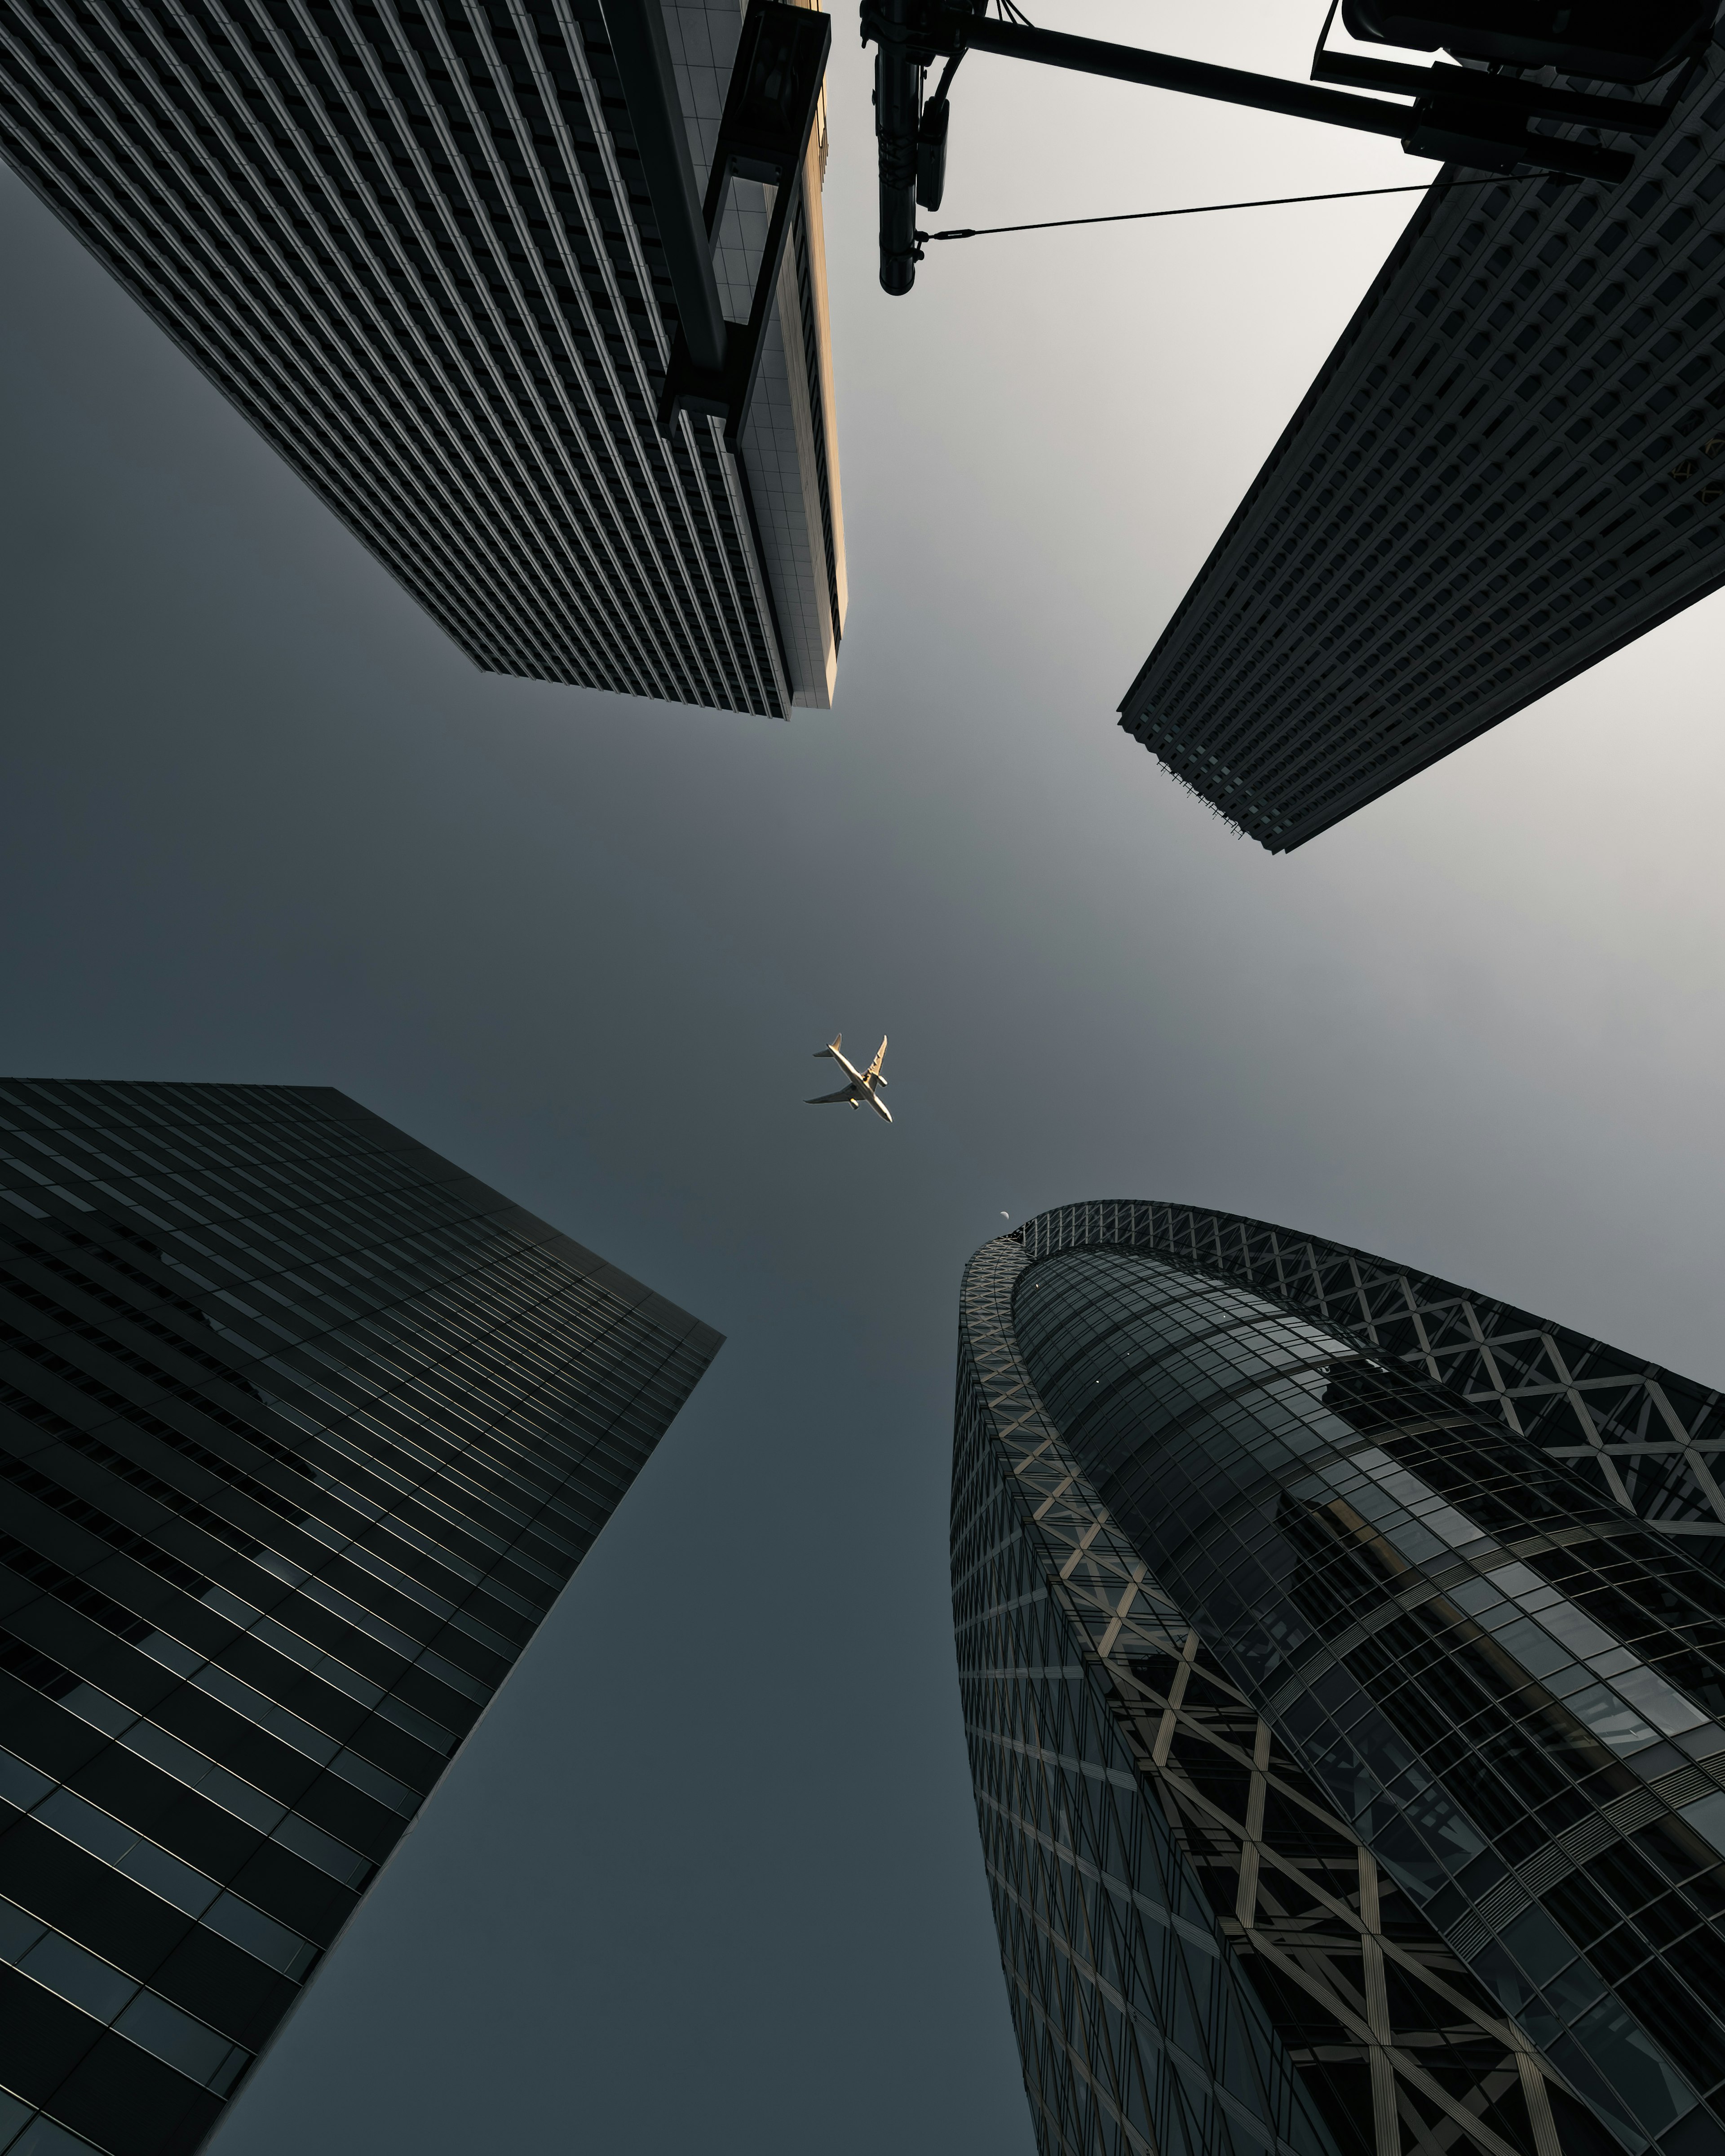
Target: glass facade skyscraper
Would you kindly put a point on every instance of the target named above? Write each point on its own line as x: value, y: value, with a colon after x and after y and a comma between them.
x: 1343, y: 1665
x: 302, y: 1431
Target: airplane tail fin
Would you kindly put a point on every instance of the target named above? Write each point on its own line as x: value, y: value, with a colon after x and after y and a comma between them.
x: 833, y: 1045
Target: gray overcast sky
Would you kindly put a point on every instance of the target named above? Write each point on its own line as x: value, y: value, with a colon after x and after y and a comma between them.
x: 709, y: 1876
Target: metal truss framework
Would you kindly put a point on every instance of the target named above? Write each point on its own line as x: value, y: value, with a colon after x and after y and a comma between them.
x: 1655, y: 1440
x: 1513, y: 464
x: 1394, y: 2046
x: 409, y: 240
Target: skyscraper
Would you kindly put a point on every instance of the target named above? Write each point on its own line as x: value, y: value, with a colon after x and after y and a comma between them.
x: 302, y: 1431
x: 1344, y: 1665
x: 1512, y: 465
x: 413, y: 242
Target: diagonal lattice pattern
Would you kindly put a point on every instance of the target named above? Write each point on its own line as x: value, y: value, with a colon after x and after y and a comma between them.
x: 1111, y: 1754
x: 1650, y: 1441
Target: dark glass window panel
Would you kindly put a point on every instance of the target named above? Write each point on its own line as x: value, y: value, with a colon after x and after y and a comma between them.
x: 126, y: 2100
x: 222, y: 1719
x: 42, y: 2037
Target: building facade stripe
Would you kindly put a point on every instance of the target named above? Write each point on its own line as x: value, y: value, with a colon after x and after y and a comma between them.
x: 412, y: 244
x: 302, y: 1431
x: 1509, y: 467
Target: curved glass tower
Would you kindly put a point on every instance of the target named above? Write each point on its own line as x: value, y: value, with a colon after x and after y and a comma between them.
x: 1343, y: 1666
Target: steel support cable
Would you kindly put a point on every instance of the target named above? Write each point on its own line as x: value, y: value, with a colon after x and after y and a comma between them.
x: 1268, y: 202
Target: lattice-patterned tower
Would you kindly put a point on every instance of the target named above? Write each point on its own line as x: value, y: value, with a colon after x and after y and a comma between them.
x: 1343, y: 1666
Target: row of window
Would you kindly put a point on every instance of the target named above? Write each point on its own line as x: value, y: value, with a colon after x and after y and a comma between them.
x: 1366, y: 724
x: 360, y: 257
x: 240, y: 1559
x: 255, y: 1437
x: 320, y: 1496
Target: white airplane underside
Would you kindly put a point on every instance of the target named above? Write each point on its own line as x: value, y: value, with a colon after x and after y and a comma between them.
x: 862, y: 1085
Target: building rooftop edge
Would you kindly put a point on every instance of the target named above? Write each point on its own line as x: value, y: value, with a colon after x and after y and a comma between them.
x: 670, y: 1316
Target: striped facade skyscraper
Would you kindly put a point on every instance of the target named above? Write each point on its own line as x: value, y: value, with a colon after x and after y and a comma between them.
x: 416, y: 244
x: 1511, y: 465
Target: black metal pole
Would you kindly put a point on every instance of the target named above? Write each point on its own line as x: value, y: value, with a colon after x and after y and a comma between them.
x: 898, y: 106
x: 1463, y: 117
x: 1162, y: 71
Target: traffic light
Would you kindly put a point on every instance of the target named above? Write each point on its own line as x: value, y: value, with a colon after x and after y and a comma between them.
x: 1479, y: 116
x: 1602, y: 40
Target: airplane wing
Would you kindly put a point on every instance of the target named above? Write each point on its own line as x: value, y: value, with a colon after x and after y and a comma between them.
x: 880, y: 1053
x: 820, y: 1100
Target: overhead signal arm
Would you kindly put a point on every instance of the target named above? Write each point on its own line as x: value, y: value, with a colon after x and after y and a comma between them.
x: 1460, y: 115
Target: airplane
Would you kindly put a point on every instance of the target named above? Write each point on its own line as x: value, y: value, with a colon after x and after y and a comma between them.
x: 862, y: 1083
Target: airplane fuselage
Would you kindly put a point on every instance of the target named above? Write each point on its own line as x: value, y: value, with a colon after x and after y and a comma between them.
x: 862, y: 1083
